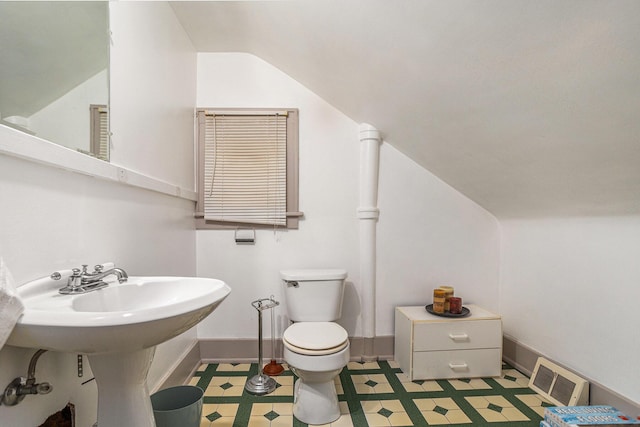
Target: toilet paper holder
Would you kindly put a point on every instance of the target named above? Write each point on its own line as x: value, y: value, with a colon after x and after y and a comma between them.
x: 245, y: 236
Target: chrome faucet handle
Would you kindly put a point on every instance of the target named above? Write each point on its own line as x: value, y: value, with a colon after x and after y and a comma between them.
x: 75, y: 278
x: 98, y: 268
x: 56, y: 275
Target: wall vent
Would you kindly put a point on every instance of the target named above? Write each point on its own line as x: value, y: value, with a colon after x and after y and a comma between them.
x: 559, y: 386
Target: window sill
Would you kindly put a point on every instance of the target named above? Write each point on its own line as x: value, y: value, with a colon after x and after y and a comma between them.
x: 202, y: 224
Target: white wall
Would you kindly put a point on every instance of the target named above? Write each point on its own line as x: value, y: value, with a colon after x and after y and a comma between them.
x: 153, y: 88
x: 570, y: 289
x: 66, y: 121
x: 52, y: 219
x: 428, y: 233
x: 327, y: 237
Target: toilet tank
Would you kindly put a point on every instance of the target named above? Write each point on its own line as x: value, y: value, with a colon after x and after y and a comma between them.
x: 313, y: 295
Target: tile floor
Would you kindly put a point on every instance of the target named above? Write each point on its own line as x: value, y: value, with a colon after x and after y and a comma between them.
x: 372, y: 395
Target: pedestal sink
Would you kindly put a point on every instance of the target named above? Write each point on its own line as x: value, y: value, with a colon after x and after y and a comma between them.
x: 117, y: 327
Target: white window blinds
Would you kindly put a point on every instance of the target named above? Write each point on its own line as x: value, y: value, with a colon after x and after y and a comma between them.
x: 100, y: 131
x: 245, y: 168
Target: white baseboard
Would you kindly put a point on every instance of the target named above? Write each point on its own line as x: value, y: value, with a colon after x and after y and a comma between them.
x: 246, y: 350
x: 182, y: 370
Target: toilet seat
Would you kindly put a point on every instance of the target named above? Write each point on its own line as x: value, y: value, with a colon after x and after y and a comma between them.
x: 315, y: 338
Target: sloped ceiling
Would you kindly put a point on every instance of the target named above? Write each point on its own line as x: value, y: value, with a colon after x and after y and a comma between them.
x: 528, y: 107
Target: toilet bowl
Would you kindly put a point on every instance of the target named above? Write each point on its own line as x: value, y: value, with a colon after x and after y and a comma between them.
x: 315, y: 348
x: 315, y: 396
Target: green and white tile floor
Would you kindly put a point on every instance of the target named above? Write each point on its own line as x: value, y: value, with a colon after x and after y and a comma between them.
x: 371, y: 395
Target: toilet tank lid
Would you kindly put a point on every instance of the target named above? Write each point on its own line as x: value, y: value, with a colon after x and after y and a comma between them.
x: 317, y: 274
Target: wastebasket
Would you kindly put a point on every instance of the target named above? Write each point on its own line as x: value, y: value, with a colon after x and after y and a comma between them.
x: 179, y: 406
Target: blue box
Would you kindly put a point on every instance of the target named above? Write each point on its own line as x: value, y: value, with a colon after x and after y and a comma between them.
x: 573, y: 416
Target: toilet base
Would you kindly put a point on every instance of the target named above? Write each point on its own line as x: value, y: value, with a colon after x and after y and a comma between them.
x: 315, y: 402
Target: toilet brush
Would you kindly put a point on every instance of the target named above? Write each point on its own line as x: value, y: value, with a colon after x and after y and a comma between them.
x: 273, y: 368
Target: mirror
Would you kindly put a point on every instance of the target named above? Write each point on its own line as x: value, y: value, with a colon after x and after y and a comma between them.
x: 54, y: 73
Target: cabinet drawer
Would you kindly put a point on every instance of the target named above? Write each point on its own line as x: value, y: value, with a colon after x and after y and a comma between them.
x: 459, y: 335
x: 457, y: 364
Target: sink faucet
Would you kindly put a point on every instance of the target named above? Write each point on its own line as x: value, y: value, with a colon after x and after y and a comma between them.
x: 81, y: 281
x: 100, y: 273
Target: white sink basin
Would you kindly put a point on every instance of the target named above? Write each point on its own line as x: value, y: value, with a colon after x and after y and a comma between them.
x: 118, y: 328
x: 137, y: 314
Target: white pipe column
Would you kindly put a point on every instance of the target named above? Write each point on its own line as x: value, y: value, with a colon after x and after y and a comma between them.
x: 368, y: 213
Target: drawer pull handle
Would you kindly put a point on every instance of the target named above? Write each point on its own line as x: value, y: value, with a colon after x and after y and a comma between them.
x: 458, y: 366
x: 459, y: 337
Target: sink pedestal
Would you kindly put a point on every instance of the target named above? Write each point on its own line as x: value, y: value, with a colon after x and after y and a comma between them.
x: 123, y: 397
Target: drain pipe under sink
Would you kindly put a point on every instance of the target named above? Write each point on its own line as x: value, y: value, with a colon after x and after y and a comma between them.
x: 368, y: 213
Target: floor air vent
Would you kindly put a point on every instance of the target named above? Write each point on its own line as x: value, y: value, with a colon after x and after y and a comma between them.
x: 558, y: 385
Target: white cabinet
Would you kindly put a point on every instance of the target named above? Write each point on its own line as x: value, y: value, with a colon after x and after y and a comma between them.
x: 435, y: 347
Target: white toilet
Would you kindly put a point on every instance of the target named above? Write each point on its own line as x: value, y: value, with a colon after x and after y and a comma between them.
x: 315, y: 348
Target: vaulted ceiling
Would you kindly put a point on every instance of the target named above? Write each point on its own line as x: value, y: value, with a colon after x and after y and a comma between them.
x: 528, y: 107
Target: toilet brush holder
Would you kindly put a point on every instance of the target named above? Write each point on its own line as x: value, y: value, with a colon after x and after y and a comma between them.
x: 261, y: 384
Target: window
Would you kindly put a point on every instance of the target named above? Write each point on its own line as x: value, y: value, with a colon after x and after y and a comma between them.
x: 99, y: 132
x: 247, y: 168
